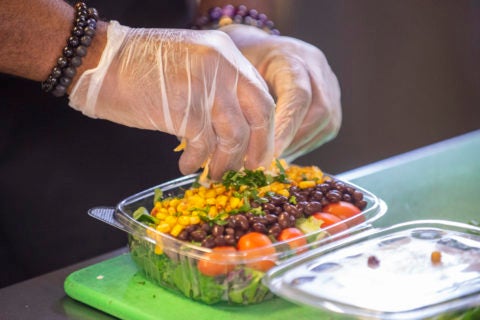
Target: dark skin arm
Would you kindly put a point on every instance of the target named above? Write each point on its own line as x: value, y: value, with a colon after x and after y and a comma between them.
x: 33, y: 34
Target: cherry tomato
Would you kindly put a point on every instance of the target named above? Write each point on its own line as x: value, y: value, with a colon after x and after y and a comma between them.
x: 291, y: 233
x: 345, y: 210
x: 328, y: 220
x: 216, y: 263
x: 255, y: 245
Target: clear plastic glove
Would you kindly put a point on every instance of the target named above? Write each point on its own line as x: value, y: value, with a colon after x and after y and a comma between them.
x: 195, y: 85
x: 307, y: 92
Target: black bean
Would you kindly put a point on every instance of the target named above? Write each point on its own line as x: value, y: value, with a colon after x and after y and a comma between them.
x: 240, y: 221
x: 312, y: 207
x: 357, y: 195
x: 274, y: 230
x: 301, y: 205
x: 271, y: 218
x: 230, y: 239
x: 208, y: 242
x: 239, y: 233
x: 191, y: 227
x: 340, y: 186
x: 259, y: 227
x: 361, y: 204
x: 278, y: 200
x: 198, y: 235
x: 293, y: 189
x: 183, y: 235
x: 334, y: 195
x: 205, y: 227
x: 269, y: 206
x: 291, y: 221
x: 260, y: 219
x: 346, y: 197
x: 254, y: 204
x: 316, y: 195
x: 291, y: 209
x: 284, y: 220
x: 229, y: 231
x: 220, y: 241
x: 349, y: 190
x: 324, y: 187
x: 217, y: 230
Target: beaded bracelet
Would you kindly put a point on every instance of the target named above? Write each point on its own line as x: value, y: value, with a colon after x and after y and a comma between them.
x: 83, y: 31
x: 218, y: 17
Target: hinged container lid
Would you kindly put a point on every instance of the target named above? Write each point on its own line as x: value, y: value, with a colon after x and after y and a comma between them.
x: 412, y: 270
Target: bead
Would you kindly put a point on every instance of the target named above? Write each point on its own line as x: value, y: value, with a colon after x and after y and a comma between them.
x: 65, y: 81
x: 228, y: 11
x: 92, y: 23
x: 62, y: 62
x: 215, y: 13
x: 73, y: 41
x: 253, y: 13
x: 224, y: 21
x: 59, y: 90
x: 56, y: 72
x: 76, y: 61
x: 80, y: 5
x: 82, y: 33
x: 86, y: 41
x: 89, y: 31
x: 68, y: 52
x: 93, y: 13
x: 81, y: 51
x: 77, y: 31
x: 81, y: 23
x: 69, y: 72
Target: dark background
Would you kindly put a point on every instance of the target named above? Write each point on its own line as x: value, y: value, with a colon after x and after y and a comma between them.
x: 409, y: 72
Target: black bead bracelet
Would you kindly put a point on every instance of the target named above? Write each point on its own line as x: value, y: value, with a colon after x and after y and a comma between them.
x: 218, y: 17
x: 83, y: 31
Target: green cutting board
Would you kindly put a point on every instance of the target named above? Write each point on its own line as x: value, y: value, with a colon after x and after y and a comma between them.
x: 116, y: 287
x: 441, y: 181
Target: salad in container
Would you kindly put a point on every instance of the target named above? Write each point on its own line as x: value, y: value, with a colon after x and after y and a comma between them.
x: 214, y: 241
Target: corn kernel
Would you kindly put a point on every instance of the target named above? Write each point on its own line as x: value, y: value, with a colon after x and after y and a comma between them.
x: 158, y: 249
x: 221, y: 201
x: 306, y: 184
x: 220, y: 189
x: 212, y: 212
x: 194, y: 220
x: 176, y: 230
x: 163, y: 227
x: 171, y: 220
x: 184, y: 220
x: 234, y: 202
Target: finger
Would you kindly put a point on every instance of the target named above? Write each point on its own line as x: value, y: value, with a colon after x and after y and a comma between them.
x: 323, y: 118
x: 289, y: 82
x: 197, y: 151
x: 258, y: 108
x: 232, y: 135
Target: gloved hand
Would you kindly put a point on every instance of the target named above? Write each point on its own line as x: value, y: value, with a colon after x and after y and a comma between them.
x: 192, y: 84
x: 307, y: 93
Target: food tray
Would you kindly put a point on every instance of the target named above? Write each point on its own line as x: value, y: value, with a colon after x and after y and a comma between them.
x: 176, y: 267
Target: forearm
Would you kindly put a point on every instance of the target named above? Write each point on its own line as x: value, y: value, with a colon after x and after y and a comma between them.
x: 33, y: 35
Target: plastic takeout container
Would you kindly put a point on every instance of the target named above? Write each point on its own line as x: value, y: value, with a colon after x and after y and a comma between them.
x: 414, y: 270
x: 175, y: 267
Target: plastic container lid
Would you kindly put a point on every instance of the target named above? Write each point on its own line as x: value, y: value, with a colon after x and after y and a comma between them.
x: 408, y: 271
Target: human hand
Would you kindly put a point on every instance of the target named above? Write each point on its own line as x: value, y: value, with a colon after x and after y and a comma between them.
x: 192, y: 84
x: 308, y: 111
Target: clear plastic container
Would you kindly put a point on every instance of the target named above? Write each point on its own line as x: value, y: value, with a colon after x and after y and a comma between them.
x: 413, y: 270
x: 176, y: 267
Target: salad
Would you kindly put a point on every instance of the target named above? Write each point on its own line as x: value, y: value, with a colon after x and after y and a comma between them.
x: 214, y: 241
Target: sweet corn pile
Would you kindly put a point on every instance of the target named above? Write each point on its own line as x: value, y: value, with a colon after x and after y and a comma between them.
x: 216, y: 202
